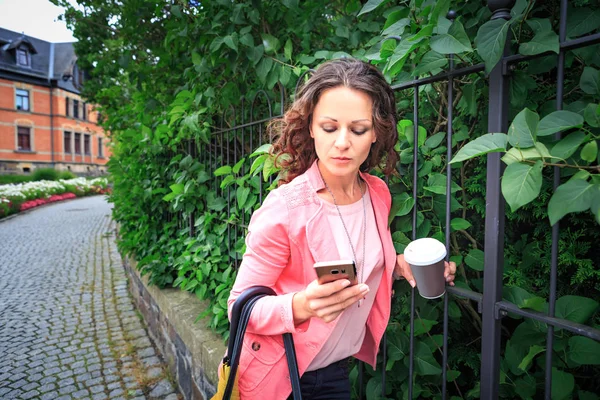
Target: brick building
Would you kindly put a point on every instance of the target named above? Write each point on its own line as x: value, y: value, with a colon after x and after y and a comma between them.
x: 44, y: 122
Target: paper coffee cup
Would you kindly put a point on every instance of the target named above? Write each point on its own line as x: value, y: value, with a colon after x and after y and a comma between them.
x: 426, y: 259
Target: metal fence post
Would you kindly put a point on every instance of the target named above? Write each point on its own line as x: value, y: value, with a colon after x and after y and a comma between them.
x: 494, y: 222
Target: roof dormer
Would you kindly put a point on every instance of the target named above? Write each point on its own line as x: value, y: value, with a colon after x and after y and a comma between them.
x: 22, y: 50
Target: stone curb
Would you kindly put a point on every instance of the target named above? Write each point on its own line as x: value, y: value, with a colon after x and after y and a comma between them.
x: 191, y: 350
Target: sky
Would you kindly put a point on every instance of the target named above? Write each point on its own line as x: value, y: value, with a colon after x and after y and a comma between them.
x: 37, y: 18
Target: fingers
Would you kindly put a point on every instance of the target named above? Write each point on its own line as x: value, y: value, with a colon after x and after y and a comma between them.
x: 403, y: 270
x: 449, y: 272
x: 330, y: 306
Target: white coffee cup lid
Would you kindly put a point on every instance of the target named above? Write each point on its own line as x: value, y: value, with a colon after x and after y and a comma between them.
x: 424, y: 251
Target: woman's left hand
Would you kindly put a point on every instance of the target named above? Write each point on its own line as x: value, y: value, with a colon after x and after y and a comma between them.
x: 402, y: 270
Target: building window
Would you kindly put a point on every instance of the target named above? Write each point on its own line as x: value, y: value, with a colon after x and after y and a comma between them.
x: 22, y: 57
x: 100, y: 149
x: 23, y: 138
x: 77, y: 143
x: 22, y: 100
x: 75, y: 108
x: 67, y: 106
x: 83, y: 111
x: 67, y: 142
x: 86, y: 145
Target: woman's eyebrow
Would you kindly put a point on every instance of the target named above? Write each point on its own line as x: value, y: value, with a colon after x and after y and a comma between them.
x: 356, y: 120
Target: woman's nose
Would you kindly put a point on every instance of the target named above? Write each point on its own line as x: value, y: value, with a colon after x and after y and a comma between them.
x: 342, y: 139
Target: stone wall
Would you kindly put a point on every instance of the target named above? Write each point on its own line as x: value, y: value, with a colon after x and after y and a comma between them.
x: 191, y: 350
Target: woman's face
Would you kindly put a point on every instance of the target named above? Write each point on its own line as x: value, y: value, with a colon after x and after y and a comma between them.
x: 342, y: 128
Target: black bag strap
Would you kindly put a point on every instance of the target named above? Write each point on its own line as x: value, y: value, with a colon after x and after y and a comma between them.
x: 240, y: 315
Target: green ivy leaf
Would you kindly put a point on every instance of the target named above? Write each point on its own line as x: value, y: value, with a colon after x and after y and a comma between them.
x: 431, y: 61
x: 581, y: 21
x: 584, y: 351
x: 247, y: 40
x: 285, y: 73
x: 488, y: 143
x: 401, y: 53
x: 563, y: 384
x: 568, y: 145
x: 533, y: 351
x: 397, y: 28
x: 255, y: 54
x: 224, y: 170
x: 401, y: 205
x: 270, y: 42
x: 539, y: 25
x: 370, y: 6
x: 231, y: 41
x: 535, y: 303
x: 583, y: 395
x: 572, y: 196
x: 475, y: 259
x: 422, y: 326
x: 236, y: 168
x: 516, y: 155
x: 523, y: 130
x: 589, y: 151
x: 263, y: 149
x: 287, y: 50
x: 541, y: 43
x: 576, y: 308
x: 490, y: 41
x: 559, y: 121
x: 592, y: 115
x: 241, y: 196
x: 437, y: 184
x: 458, y: 224
x: 590, y: 81
x: 453, y: 42
x: 263, y: 68
x: 521, y: 183
x: 400, y: 241
x: 425, y: 363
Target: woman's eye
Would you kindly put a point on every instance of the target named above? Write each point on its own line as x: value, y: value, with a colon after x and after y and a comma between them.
x: 329, y: 129
x: 359, y: 132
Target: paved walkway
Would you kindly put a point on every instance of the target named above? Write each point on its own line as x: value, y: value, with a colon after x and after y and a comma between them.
x: 68, y: 327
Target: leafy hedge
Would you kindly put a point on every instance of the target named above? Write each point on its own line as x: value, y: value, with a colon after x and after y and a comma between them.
x: 179, y: 77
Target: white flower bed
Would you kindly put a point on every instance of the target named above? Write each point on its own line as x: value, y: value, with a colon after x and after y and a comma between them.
x: 19, y: 192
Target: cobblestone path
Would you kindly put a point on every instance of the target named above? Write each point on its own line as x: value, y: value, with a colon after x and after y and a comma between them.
x: 68, y: 327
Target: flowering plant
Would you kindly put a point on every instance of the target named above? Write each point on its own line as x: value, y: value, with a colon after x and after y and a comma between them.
x: 23, y: 196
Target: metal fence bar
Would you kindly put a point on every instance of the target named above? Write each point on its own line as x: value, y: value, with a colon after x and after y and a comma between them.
x: 556, y: 227
x: 451, y: 16
x: 579, y: 329
x: 411, y: 360
x: 494, y: 230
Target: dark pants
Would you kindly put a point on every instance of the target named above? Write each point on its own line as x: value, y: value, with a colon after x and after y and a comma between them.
x: 329, y: 383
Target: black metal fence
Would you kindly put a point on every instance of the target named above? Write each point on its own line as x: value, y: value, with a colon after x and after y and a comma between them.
x: 243, y: 129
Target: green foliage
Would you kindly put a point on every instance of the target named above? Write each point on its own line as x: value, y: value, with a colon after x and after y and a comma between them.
x: 66, y: 175
x: 185, y: 184
x: 45, y: 174
x: 6, y: 179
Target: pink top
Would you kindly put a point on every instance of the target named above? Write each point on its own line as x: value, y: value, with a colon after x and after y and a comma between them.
x: 347, y: 337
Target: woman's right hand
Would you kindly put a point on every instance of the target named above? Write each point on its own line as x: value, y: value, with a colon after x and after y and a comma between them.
x: 326, y: 301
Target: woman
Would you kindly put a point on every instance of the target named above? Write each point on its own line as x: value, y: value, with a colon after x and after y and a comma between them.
x: 341, y: 125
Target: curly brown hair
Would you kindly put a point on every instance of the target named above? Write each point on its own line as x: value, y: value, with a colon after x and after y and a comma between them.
x: 294, y: 149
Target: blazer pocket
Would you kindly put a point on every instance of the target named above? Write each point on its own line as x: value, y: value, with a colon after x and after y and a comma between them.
x: 259, y: 355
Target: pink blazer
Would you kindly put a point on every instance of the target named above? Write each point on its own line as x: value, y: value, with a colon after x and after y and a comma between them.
x: 286, y: 236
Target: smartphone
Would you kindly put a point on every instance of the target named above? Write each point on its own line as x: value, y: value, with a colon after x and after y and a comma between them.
x: 329, y: 271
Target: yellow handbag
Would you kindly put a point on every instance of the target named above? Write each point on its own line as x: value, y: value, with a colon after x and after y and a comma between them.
x: 227, y: 388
